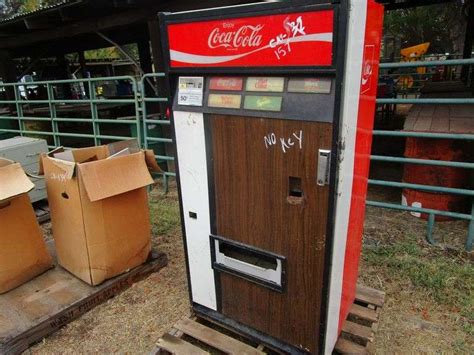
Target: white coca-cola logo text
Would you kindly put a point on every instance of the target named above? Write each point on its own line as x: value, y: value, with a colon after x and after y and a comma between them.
x: 366, y: 72
x: 245, y: 37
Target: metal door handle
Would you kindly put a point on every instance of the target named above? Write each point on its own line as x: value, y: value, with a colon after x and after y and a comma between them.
x: 324, y: 162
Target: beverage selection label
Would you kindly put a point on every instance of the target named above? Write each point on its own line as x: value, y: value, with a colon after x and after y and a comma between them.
x: 310, y: 85
x: 265, y: 84
x: 226, y: 83
x: 285, y: 39
x: 224, y: 101
x: 263, y: 103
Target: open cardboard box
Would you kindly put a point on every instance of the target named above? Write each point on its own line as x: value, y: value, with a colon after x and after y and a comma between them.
x: 23, y: 253
x: 99, y: 208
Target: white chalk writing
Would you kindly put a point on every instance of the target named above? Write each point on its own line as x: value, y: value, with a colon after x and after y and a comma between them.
x: 286, y: 143
x: 58, y: 177
x: 282, y: 42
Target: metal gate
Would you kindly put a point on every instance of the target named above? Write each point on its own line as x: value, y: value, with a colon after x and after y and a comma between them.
x: 135, y: 109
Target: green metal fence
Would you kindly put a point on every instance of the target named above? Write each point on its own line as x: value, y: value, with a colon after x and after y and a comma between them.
x: 98, y: 114
x: 427, y: 135
x: 155, y: 123
x: 39, y: 109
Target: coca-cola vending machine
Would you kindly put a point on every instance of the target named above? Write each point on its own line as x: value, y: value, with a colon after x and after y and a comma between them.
x: 272, y: 111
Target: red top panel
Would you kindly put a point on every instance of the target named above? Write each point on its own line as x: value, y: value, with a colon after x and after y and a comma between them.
x: 292, y: 39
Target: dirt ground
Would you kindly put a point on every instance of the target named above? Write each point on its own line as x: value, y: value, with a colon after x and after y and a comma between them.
x: 133, y: 321
x: 429, y: 303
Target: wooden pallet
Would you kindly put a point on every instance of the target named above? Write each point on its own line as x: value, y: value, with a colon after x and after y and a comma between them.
x: 191, y: 336
x: 360, y: 326
x: 198, y: 336
x: 42, y: 306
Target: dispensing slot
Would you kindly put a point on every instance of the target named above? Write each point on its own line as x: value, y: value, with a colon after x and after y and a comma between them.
x: 248, y: 256
x: 250, y: 263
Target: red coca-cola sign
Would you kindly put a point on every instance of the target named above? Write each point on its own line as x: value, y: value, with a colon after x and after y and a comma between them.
x: 292, y: 39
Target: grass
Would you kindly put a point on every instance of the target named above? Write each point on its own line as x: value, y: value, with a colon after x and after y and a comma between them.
x: 164, y: 213
x: 447, y: 277
x: 425, y: 283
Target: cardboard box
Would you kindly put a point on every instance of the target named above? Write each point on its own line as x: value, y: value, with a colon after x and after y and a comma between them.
x: 99, y: 209
x: 23, y: 253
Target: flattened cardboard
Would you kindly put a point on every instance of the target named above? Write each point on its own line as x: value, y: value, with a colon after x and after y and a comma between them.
x: 84, y: 155
x: 110, y: 177
x: 100, y: 214
x: 23, y: 253
x: 131, y: 144
x: 65, y: 155
x: 121, y: 153
x: 14, y: 181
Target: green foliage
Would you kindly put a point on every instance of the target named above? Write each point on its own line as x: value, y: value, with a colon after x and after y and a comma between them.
x: 442, y: 25
x: 113, y: 53
x: 12, y: 7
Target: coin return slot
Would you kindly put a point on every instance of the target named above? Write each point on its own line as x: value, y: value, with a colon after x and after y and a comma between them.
x: 295, y: 191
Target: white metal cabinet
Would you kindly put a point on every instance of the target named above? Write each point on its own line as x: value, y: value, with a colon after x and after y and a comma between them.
x: 27, y: 151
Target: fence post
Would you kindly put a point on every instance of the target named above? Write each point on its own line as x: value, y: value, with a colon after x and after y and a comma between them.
x: 52, y: 110
x: 429, y: 229
x: 94, y: 113
x: 19, y: 110
x: 470, y: 231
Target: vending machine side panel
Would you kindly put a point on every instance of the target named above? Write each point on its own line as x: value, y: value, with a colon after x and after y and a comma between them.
x: 357, y: 15
x: 365, y: 123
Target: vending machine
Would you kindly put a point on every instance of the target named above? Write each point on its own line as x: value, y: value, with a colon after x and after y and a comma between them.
x: 272, y: 112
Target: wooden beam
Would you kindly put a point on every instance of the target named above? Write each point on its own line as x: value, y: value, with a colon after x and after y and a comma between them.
x: 66, y: 14
x: 156, y: 47
x: 78, y: 28
x: 39, y: 23
x: 129, y: 17
x: 8, y: 74
x: 145, y: 56
x: 85, y: 42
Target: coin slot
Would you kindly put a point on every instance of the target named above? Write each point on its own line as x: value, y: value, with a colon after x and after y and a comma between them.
x: 193, y: 215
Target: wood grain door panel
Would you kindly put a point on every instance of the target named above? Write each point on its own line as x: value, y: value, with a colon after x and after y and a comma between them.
x: 256, y: 162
